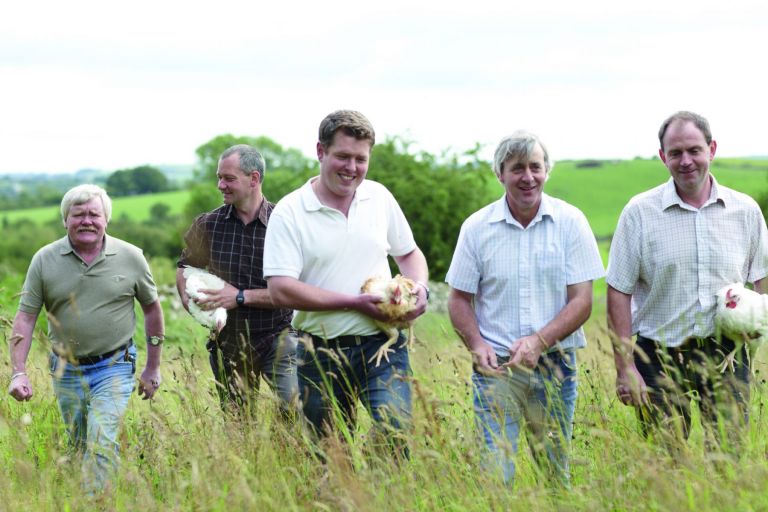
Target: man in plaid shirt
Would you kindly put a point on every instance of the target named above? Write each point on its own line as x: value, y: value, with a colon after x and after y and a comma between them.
x: 229, y: 242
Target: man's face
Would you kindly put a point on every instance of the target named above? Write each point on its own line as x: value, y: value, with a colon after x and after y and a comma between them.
x: 343, y: 164
x: 86, y: 223
x: 233, y: 183
x: 687, y: 156
x: 524, y: 181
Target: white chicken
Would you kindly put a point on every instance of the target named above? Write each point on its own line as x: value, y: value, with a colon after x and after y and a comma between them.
x: 199, y: 279
x: 742, y: 316
x: 398, y: 298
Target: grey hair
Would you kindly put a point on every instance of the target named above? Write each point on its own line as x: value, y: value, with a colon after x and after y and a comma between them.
x: 81, y: 194
x: 519, y: 145
x: 250, y: 159
x: 698, y: 121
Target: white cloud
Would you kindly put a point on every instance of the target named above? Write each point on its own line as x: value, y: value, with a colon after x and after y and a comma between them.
x: 94, y: 84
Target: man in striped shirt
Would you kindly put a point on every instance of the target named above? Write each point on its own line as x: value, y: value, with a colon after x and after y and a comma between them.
x: 521, y: 288
x: 674, y: 247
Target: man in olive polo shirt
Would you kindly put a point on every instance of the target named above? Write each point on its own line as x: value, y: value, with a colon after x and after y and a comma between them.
x: 87, y: 282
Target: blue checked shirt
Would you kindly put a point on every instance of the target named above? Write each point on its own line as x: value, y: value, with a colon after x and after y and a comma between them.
x: 672, y: 258
x: 519, y: 276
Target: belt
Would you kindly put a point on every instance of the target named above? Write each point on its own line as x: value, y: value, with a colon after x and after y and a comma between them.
x: 347, y: 340
x: 88, y: 360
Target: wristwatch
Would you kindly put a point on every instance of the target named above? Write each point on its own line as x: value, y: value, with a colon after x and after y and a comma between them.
x: 155, y: 341
x: 240, y: 297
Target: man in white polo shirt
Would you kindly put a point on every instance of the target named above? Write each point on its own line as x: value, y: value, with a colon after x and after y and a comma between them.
x: 323, y: 241
x: 674, y: 247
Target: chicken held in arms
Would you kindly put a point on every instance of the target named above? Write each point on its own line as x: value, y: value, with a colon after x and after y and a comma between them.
x: 398, y: 298
x: 197, y: 280
x: 742, y: 316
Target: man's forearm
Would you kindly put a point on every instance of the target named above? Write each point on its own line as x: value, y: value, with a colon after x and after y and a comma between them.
x: 20, y: 341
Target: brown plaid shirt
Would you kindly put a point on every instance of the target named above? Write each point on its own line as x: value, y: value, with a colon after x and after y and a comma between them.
x: 220, y: 242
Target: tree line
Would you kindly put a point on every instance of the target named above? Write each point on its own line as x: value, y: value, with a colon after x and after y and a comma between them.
x: 435, y: 193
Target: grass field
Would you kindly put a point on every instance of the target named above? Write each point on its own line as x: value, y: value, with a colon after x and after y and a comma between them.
x: 180, y: 453
x: 601, y: 192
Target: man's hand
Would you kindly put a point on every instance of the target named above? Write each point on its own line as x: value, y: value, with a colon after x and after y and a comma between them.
x: 526, y: 351
x: 224, y: 298
x: 484, y: 359
x: 630, y: 387
x: 149, y: 382
x: 20, y: 388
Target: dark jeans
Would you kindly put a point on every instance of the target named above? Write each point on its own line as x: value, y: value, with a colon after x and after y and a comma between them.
x: 238, y: 369
x: 677, y: 376
x: 333, y: 376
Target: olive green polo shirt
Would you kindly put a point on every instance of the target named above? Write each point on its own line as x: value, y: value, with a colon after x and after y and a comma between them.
x: 90, y: 307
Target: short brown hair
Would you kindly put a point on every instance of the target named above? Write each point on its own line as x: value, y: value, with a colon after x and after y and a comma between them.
x: 350, y: 122
x: 683, y: 115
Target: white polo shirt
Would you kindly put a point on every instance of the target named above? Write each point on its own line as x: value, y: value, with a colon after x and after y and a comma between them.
x: 319, y: 246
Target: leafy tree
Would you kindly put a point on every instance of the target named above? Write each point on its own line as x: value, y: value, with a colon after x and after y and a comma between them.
x: 144, y: 179
x: 275, y: 156
x: 436, y: 195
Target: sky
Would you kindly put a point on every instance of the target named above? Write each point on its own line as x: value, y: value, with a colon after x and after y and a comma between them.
x: 108, y: 85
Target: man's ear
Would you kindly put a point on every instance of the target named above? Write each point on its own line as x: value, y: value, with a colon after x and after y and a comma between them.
x: 320, y: 151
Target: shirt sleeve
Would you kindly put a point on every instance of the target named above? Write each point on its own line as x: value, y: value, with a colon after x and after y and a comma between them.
x: 196, y: 252
x: 282, y: 246
x: 31, y: 300
x: 583, y: 262
x: 146, y: 290
x: 758, y: 267
x: 464, y: 271
x: 399, y: 233
x: 624, y: 255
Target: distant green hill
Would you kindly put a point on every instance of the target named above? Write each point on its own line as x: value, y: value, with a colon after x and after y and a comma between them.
x: 135, y: 207
x: 602, y: 188
x: 599, y: 188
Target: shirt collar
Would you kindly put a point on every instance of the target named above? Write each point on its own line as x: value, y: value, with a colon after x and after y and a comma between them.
x: 500, y: 211
x: 312, y: 203
x: 108, y: 247
x: 670, y: 197
x: 263, y: 215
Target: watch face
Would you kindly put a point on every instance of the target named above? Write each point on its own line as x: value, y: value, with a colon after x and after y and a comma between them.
x: 240, y: 298
x: 155, y: 340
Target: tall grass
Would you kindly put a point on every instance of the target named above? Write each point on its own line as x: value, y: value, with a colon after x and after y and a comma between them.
x: 181, y: 452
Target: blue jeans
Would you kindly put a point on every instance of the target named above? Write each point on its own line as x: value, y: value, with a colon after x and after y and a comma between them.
x: 332, y: 378
x: 545, y: 398
x: 93, y: 399
x: 238, y: 369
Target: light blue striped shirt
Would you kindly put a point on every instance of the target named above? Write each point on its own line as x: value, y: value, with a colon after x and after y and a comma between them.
x: 519, y: 276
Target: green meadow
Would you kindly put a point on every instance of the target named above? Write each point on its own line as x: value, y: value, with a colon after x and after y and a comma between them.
x: 180, y: 452
x: 136, y: 208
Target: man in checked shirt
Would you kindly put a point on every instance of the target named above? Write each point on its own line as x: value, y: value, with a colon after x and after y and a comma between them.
x: 674, y: 247
x: 229, y: 242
